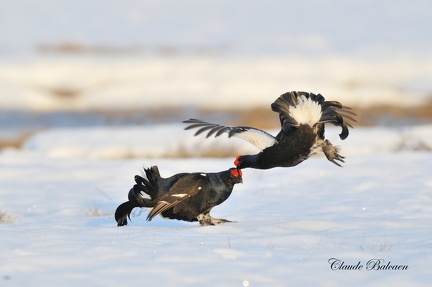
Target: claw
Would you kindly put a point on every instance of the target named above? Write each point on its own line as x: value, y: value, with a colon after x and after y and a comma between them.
x: 332, y: 153
x: 206, y: 219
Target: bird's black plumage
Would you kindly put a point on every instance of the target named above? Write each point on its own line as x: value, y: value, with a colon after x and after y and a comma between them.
x: 302, y: 116
x: 183, y: 196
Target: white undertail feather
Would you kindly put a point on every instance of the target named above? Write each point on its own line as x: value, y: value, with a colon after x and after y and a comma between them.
x: 306, y: 111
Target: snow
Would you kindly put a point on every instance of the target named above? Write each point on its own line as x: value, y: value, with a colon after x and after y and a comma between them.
x: 155, y: 141
x: 213, y: 53
x: 63, y: 188
x: 248, y: 27
x: 210, y: 82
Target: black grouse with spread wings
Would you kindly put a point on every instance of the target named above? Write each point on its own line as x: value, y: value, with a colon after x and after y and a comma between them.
x: 302, y: 116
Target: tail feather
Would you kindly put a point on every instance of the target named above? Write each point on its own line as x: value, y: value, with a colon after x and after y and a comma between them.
x: 142, y: 184
x: 296, y: 108
x: 135, y: 194
x: 316, y: 98
x: 152, y: 174
x: 348, y: 115
x: 123, y: 212
x: 149, y: 184
x: 330, y: 111
x: 339, y: 115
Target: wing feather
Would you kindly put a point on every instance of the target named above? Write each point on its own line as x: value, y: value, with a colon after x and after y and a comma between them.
x: 181, y: 190
x: 257, y: 137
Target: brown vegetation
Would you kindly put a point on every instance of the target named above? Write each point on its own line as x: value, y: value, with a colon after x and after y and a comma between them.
x: 265, y: 118
x: 371, y: 115
x: 73, y: 48
x: 7, y: 218
x: 96, y: 212
x: 262, y: 118
x: 15, y: 142
x: 77, y: 48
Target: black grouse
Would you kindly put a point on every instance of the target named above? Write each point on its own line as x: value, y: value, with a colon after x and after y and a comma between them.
x: 183, y: 196
x: 302, y: 116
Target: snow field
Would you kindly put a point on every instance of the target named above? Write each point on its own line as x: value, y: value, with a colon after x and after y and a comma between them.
x: 290, y: 221
x: 209, y: 82
x: 60, y: 190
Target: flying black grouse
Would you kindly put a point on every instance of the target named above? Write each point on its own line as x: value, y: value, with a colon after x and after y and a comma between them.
x: 183, y: 196
x: 302, y: 116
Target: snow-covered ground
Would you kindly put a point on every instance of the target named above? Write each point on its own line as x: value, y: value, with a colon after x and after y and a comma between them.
x: 137, y: 83
x: 64, y: 186
x: 212, y: 53
x: 61, y: 188
x: 170, y: 140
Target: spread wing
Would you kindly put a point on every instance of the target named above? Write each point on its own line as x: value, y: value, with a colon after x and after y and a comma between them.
x: 184, y: 188
x: 257, y: 137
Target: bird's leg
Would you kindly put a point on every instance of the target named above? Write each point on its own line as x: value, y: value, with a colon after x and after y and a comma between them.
x: 205, y: 219
x: 332, y: 153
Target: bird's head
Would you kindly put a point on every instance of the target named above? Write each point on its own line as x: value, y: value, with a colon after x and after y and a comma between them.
x: 239, y: 162
x: 236, y: 175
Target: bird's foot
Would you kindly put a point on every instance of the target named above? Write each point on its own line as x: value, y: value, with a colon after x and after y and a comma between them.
x: 206, y: 219
x: 332, y: 153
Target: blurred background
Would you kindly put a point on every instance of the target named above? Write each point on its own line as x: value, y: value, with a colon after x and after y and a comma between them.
x: 105, y: 62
